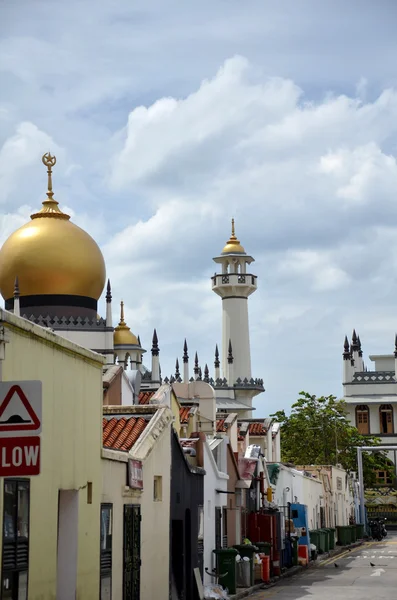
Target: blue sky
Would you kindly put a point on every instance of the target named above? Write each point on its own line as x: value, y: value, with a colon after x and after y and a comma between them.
x: 168, y: 119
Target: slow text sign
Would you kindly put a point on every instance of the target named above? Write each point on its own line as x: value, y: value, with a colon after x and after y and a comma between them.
x: 19, y: 457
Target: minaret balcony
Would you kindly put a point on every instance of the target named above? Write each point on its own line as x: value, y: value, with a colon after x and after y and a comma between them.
x: 240, y: 284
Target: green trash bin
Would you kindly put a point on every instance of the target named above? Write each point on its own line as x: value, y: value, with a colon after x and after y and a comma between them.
x: 326, y: 538
x: 314, y: 536
x: 264, y: 547
x: 344, y: 535
x: 353, y: 534
x: 332, y: 532
x: 360, y: 531
x: 248, y: 550
x: 226, y: 565
x: 321, y: 541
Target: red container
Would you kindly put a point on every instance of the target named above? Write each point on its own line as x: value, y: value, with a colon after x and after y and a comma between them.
x: 265, y: 568
x: 303, y: 554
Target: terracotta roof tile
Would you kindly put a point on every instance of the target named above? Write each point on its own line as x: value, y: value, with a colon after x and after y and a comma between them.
x: 220, y: 426
x: 145, y: 397
x: 184, y: 414
x: 257, y: 429
x: 122, y: 433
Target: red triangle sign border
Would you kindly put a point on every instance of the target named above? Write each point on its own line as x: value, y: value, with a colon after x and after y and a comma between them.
x: 16, y: 389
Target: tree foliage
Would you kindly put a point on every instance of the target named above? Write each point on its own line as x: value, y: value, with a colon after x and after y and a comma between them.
x: 318, y: 432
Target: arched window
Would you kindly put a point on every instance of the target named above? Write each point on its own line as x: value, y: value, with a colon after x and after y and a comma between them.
x: 362, y: 418
x: 386, y: 418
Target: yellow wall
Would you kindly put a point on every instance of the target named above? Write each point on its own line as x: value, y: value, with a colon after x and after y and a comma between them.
x: 71, y: 441
x: 155, y: 524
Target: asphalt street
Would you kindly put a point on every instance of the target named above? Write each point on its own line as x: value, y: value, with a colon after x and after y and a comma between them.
x: 353, y: 579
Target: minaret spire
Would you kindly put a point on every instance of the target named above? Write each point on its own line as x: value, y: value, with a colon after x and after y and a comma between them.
x: 50, y: 206
x: 196, y: 366
x: 155, y: 358
x: 185, y: 363
x: 346, y: 349
x: 17, y: 310
x: 230, y: 360
x: 206, y: 374
x: 108, y: 292
x: 177, y: 374
x: 217, y: 363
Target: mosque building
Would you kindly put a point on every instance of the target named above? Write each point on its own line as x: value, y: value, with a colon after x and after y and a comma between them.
x: 53, y: 274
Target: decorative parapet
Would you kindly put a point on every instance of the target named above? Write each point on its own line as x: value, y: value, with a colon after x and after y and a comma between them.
x: 234, y: 279
x: 374, y: 377
x: 239, y: 383
x: 67, y: 322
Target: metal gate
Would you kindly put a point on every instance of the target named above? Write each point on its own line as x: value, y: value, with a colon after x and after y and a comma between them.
x: 132, y: 552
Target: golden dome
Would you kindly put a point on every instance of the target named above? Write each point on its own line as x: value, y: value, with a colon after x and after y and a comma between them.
x: 51, y: 255
x: 123, y: 335
x: 233, y: 246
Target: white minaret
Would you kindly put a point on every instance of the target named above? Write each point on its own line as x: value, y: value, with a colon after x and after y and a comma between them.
x: 234, y: 284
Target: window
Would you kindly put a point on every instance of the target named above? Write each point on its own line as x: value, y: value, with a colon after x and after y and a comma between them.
x: 383, y: 478
x: 106, y: 551
x: 362, y: 418
x: 386, y: 418
x: 15, y: 561
x: 158, y: 488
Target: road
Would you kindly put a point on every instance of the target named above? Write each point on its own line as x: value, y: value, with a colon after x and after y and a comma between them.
x: 353, y: 579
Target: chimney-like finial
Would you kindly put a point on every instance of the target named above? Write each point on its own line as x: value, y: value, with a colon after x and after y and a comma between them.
x: 206, y: 374
x: 185, y: 354
x: 108, y: 292
x: 354, y: 344
x: 360, y: 352
x: 139, y: 342
x: 196, y: 364
x: 216, y: 363
x: 16, y: 287
x: 395, y: 346
x: 200, y: 374
x: 177, y: 374
x: 346, y: 349
x: 230, y: 353
x: 155, y: 344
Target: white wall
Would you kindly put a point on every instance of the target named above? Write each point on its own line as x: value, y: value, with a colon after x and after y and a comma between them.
x: 302, y: 489
x: 213, y: 480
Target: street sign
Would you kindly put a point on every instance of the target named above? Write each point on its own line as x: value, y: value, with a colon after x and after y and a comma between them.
x: 19, y: 457
x: 20, y: 408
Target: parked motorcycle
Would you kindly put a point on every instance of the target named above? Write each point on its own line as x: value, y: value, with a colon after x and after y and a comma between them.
x: 376, y: 530
x: 383, y: 527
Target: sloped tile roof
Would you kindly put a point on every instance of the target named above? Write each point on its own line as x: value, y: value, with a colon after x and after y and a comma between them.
x: 184, y: 414
x: 220, y: 426
x: 257, y: 429
x: 121, y: 433
x: 145, y: 397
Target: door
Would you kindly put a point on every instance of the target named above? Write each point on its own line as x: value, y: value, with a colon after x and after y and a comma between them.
x: 132, y: 552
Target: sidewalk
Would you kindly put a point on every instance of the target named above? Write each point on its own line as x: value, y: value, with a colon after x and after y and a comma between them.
x: 244, y: 592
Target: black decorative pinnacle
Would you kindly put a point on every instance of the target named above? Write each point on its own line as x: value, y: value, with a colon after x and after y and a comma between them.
x: 206, y: 374
x: 230, y: 353
x: 354, y: 344
x: 139, y: 342
x: 177, y: 374
x: 196, y: 364
x: 216, y: 363
x: 155, y: 344
x: 395, y: 346
x: 200, y: 374
x: 108, y: 292
x: 185, y: 354
x: 346, y: 349
x: 16, y: 287
x: 360, y: 352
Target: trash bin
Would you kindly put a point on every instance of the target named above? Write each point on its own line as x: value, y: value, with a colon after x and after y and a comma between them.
x: 243, y: 569
x: 344, y: 535
x: 322, y: 542
x: 263, y: 547
x: 226, y: 565
x: 248, y: 550
x: 332, y: 532
x: 287, y: 553
x: 266, y: 569
x: 360, y: 531
x: 315, y: 539
x: 353, y: 534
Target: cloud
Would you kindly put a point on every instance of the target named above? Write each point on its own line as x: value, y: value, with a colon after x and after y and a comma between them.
x: 171, y: 119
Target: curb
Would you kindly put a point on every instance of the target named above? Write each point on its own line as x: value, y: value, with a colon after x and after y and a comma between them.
x: 244, y: 593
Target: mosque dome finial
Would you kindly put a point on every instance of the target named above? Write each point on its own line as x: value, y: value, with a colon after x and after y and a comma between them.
x: 233, y: 245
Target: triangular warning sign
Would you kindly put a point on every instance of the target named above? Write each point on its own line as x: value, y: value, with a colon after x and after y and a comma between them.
x: 16, y: 413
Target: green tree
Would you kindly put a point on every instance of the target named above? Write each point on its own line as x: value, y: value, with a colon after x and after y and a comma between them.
x: 318, y: 432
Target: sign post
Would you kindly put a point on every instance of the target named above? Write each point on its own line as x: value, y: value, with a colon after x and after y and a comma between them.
x: 20, y: 426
